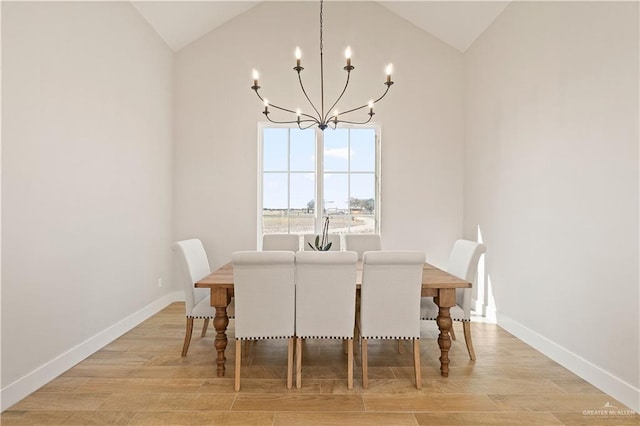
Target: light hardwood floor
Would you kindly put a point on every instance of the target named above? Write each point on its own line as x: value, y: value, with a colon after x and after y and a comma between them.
x: 141, y: 379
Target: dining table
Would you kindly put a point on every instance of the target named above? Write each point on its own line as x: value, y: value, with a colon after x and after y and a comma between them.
x: 436, y: 283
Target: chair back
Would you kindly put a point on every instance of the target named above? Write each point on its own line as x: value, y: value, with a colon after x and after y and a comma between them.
x: 264, y: 292
x: 334, y: 239
x: 325, y: 294
x: 390, y: 294
x: 362, y: 242
x: 287, y: 242
x: 463, y: 263
x: 194, y: 265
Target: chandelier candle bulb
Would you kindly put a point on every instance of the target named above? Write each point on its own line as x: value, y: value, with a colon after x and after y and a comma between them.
x: 370, y: 107
x: 347, y: 54
x: 266, y: 106
x: 298, y: 57
x: 389, y: 71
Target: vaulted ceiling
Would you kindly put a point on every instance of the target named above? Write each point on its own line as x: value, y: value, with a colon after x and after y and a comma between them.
x: 457, y: 23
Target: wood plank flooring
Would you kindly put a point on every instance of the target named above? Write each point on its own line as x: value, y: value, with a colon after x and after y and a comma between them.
x: 141, y: 379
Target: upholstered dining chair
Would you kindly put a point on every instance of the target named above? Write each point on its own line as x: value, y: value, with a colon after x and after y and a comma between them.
x: 463, y: 263
x: 390, y: 302
x: 362, y: 242
x: 289, y: 242
x: 334, y: 239
x: 325, y: 301
x: 264, y: 293
x: 194, y: 265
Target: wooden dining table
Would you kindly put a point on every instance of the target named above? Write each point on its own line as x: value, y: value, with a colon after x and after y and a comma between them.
x: 436, y: 283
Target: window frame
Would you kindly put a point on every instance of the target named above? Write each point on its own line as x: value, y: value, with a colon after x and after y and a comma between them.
x: 319, y: 173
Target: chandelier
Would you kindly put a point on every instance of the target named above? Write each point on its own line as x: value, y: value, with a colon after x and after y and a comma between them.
x: 322, y: 118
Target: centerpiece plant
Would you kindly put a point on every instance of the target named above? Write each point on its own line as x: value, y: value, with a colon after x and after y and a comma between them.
x: 322, y: 244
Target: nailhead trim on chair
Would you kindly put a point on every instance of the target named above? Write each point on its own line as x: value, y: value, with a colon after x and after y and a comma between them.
x: 391, y: 337
x: 263, y: 338
x: 200, y: 317
x: 452, y: 319
x: 324, y: 337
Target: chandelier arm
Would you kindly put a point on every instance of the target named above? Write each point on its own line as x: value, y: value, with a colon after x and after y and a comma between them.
x: 275, y: 106
x: 279, y: 122
x: 312, y: 120
x: 366, y: 105
x: 385, y: 92
x: 282, y: 109
x: 313, y: 123
x: 309, y: 99
x: 357, y: 122
x: 339, y: 97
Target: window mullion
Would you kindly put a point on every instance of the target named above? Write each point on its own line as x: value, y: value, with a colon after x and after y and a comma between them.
x: 378, y: 187
x: 349, y: 177
x: 319, y: 179
x: 288, y: 181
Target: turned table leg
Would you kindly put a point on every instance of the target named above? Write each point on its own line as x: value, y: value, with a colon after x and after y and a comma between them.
x: 446, y: 298
x: 220, y: 322
x: 444, y: 340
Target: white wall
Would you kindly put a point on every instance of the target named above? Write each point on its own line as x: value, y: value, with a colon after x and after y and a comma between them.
x: 86, y: 177
x: 217, y: 113
x: 550, y: 165
x: 551, y: 179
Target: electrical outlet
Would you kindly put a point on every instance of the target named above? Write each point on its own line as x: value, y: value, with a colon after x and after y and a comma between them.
x: 159, y: 282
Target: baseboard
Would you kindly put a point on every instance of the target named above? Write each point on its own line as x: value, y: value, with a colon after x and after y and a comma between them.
x: 478, y: 306
x: 600, y: 378
x: 42, y: 375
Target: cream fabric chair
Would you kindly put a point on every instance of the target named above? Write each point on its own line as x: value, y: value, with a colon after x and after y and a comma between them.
x: 325, y: 301
x: 194, y: 265
x: 264, y: 290
x: 289, y: 242
x: 463, y: 263
x: 362, y: 242
x: 334, y: 239
x: 390, y: 301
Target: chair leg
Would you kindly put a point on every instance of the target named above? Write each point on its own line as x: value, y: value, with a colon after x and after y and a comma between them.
x: 467, y: 338
x: 204, y: 327
x: 365, y: 362
x: 238, y: 357
x: 290, y: 363
x: 452, y: 332
x: 247, y: 349
x: 298, y: 362
x: 350, y: 364
x: 187, y: 336
x: 356, y: 327
x: 416, y: 362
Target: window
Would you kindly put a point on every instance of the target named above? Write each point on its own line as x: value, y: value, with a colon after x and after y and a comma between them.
x: 300, y: 167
